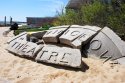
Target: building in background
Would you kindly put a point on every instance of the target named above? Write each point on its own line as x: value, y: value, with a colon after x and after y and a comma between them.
x: 76, y: 4
x: 39, y: 21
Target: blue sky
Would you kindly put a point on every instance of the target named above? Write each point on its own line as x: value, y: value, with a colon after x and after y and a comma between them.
x: 20, y: 9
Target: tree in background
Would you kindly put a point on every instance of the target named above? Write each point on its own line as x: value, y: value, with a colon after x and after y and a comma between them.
x: 68, y: 18
x: 98, y: 14
x: 94, y: 14
x: 88, y: 14
x: 116, y: 16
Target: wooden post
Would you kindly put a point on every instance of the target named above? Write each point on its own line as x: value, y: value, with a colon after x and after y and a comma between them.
x: 5, y: 20
x: 11, y: 20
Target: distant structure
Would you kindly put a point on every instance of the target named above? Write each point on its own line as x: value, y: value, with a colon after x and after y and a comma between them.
x: 76, y: 4
x: 39, y: 21
x: 11, y: 20
x: 5, y: 21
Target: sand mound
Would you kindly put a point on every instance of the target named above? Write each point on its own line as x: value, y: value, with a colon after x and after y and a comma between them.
x: 20, y: 70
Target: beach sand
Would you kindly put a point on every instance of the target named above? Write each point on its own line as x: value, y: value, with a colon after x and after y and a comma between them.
x: 14, y: 69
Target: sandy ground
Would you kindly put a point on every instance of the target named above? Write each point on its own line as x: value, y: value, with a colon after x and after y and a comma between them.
x: 14, y: 69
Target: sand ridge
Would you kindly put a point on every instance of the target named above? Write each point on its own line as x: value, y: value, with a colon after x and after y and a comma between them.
x: 15, y: 69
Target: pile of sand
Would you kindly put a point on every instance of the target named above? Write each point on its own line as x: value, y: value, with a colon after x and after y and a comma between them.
x: 20, y: 70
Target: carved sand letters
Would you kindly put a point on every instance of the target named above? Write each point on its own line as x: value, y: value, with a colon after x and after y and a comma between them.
x: 22, y: 36
x: 106, y: 45
x: 52, y: 36
x: 76, y: 36
x: 22, y: 47
x: 59, y: 55
x: 62, y: 45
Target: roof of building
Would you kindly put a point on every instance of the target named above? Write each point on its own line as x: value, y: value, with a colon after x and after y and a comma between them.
x: 75, y: 4
x: 40, y: 17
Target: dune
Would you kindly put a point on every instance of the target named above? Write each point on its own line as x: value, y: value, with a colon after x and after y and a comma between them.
x: 14, y: 69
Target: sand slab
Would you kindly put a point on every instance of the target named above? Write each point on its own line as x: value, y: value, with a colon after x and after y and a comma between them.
x: 20, y: 70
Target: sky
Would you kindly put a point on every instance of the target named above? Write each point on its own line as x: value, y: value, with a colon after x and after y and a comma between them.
x: 20, y: 9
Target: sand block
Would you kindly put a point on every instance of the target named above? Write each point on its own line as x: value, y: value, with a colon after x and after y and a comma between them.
x: 77, y: 35
x: 33, y: 39
x: 53, y: 35
x: 22, y: 36
x: 93, y: 28
x: 15, y: 46
x: 30, y: 49
x: 60, y: 55
x: 24, y: 48
x: 106, y: 45
x: 120, y: 61
x: 38, y: 35
x: 58, y: 27
x: 20, y: 46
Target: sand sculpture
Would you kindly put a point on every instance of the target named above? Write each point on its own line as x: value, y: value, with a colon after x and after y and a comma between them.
x: 66, y: 45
